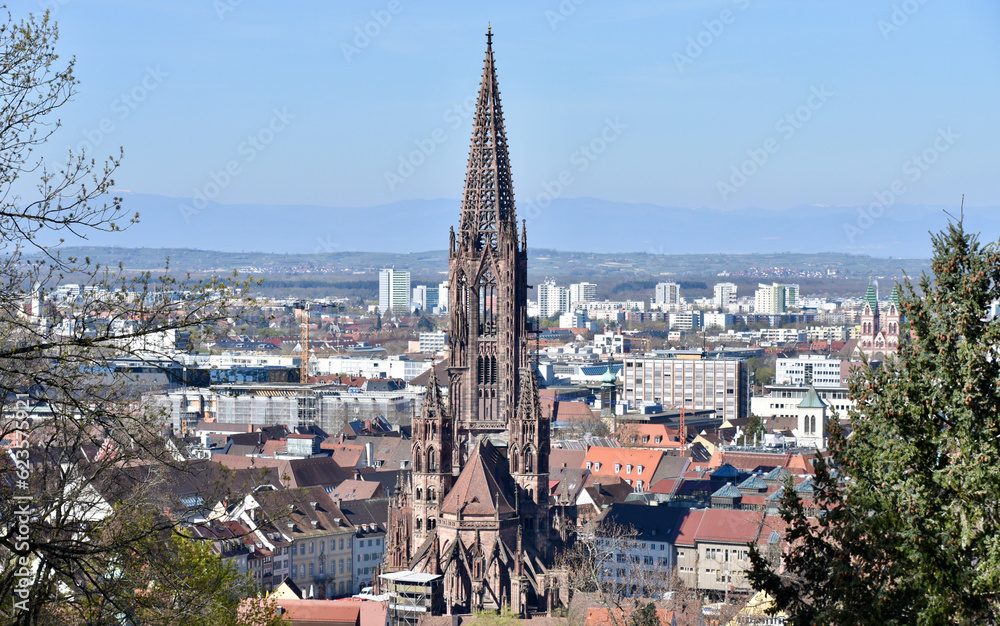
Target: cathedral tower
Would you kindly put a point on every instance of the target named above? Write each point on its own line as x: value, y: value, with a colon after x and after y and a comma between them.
x: 488, y: 269
x: 479, y: 493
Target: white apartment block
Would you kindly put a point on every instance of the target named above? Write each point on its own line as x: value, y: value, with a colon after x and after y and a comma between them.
x: 769, y: 299
x: 782, y: 335
x: 725, y: 295
x: 613, y: 305
x: 827, y: 333
x: 667, y: 295
x: 552, y: 299
x: 580, y: 293
x: 694, y: 383
x: 713, y: 319
x: 433, y: 343
x: 809, y: 369
x: 686, y: 320
x: 394, y: 291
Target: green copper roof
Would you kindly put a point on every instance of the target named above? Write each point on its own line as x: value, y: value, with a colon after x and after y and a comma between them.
x: 894, y: 296
x: 812, y: 400
x: 871, y: 298
x: 609, y: 377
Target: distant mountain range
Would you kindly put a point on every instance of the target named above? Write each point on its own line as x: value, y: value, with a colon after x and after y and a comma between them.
x: 576, y: 224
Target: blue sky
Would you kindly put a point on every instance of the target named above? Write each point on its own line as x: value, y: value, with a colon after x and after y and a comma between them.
x: 724, y: 104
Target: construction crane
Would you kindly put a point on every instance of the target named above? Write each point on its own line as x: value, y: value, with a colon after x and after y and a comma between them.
x: 303, y: 306
x: 682, y: 432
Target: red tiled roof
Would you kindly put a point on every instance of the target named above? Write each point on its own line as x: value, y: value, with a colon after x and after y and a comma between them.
x: 478, y: 489
x: 603, y: 460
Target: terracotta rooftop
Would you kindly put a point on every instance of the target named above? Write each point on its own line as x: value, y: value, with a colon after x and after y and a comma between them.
x: 481, y: 486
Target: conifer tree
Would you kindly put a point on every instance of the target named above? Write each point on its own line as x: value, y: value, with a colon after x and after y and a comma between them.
x: 909, y: 523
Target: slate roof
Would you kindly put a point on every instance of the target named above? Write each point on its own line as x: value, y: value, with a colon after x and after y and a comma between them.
x: 728, y: 491
x: 480, y: 488
x: 754, y: 482
x: 725, y: 471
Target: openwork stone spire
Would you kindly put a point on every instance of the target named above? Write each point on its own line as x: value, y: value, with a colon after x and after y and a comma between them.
x: 488, y: 199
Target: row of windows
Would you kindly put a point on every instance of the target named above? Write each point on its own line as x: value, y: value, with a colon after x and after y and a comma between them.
x: 322, y: 544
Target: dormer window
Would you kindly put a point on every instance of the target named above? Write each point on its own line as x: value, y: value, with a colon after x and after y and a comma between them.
x: 597, y: 466
x: 658, y: 439
x: 639, y: 470
x: 628, y: 468
x: 589, y: 465
x: 618, y: 467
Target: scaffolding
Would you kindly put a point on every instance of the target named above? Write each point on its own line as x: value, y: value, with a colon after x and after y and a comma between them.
x: 413, y: 595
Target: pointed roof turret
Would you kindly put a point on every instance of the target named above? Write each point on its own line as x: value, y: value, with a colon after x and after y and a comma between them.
x: 488, y: 198
x: 871, y: 298
x: 812, y: 400
x: 529, y: 406
x: 894, y: 296
x: 433, y: 405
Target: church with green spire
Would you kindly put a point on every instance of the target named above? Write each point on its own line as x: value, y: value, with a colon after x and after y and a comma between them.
x: 879, y: 329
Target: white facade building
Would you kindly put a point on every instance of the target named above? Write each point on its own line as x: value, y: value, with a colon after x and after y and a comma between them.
x: 809, y: 369
x: 725, y: 295
x: 433, y: 343
x: 552, y: 299
x: 667, y: 295
x: 769, y: 299
x: 394, y: 291
x: 694, y: 383
x: 580, y: 293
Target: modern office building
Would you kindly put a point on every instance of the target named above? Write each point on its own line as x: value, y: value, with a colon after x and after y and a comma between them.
x: 394, y: 291
x: 692, y: 381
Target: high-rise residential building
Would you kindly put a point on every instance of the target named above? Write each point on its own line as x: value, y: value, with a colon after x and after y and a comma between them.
x: 696, y: 383
x: 394, y: 291
x: 725, y: 295
x: 552, y: 299
x: 475, y: 514
x: 580, y: 293
x: 425, y: 297
x: 443, y: 296
x: 667, y: 295
x: 770, y: 299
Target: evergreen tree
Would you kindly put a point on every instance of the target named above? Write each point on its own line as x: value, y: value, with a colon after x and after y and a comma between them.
x: 910, y: 531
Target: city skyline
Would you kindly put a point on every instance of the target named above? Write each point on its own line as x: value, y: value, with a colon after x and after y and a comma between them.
x: 719, y: 105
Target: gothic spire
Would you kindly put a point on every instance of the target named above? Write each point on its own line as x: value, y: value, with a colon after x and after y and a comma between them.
x: 488, y: 198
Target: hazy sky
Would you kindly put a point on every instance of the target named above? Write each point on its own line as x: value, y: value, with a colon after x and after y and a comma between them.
x: 817, y: 102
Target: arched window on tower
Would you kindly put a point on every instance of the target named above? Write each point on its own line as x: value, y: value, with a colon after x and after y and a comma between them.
x: 432, y: 460
x: 487, y: 304
x: 528, y: 464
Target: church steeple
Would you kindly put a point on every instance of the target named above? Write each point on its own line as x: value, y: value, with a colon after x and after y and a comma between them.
x: 488, y: 199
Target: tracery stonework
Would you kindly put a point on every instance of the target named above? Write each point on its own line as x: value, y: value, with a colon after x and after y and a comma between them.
x: 476, y: 506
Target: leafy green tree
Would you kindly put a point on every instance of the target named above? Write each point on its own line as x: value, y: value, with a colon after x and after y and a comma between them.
x: 911, y: 534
